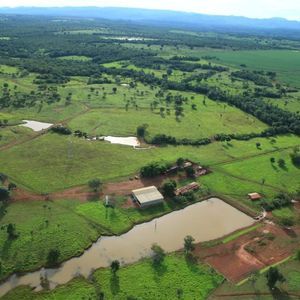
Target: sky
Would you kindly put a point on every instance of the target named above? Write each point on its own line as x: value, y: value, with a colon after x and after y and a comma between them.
x: 289, y: 9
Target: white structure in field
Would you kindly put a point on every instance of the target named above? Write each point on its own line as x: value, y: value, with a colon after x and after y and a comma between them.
x: 147, y: 196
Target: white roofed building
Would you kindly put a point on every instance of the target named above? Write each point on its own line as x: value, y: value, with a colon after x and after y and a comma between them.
x: 147, y: 196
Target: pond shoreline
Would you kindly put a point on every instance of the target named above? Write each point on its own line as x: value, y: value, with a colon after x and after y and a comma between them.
x: 248, y: 212
x: 17, y: 275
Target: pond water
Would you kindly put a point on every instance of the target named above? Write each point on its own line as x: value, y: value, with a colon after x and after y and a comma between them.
x: 207, y: 220
x: 129, y: 141
x: 35, y: 125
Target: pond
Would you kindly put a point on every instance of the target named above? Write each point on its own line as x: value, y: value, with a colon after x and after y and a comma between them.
x: 128, y: 141
x: 207, y: 220
x: 35, y: 125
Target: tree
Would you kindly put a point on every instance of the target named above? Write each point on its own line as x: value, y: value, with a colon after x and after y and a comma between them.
x: 11, y: 186
x: 190, y: 172
x: 295, y: 157
x: 298, y: 255
x: 281, y: 163
x: 273, y: 276
x: 3, y: 177
x: 180, y: 162
x: 4, y: 194
x: 114, y: 89
x: 141, y: 130
x: 158, y: 254
x: 11, y: 231
x: 169, y: 188
x: 288, y: 222
x: 189, y: 245
x: 272, y: 160
x: 258, y: 145
x: 115, y: 266
x: 52, y: 257
x: 95, y: 184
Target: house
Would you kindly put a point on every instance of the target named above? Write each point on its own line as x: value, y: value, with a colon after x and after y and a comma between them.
x: 147, y: 196
x: 187, y: 188
x: 254, y: 196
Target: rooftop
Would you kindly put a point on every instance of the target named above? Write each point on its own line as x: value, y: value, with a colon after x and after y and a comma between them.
x: 147, y: 194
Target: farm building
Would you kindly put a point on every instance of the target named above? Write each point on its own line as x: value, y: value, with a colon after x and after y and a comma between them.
x: 147, y: 196
x: 187, y: 188
x: 254, y: 196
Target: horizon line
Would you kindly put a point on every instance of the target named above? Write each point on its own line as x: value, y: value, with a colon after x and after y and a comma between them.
x: 150, y: 9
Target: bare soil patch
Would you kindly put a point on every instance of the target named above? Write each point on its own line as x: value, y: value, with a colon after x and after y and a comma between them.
x: 251, y: 252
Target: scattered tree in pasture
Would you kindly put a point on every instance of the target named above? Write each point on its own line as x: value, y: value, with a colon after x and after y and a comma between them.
x: 281, y: 163
x: 11, y: 186
x: 273, y: 276
x: 295, y: 157
x: 158, y: 254
x: 95, y: 184
x: 114, y: 89
x: 141, y: 130
x: 258, y: 145
x: 52, y: 257
x: 11, y: 231
x: 4, y: 194
x: 3, y: 177
x: 194, y: 107
x: 272, y: 160
x: 189, y: 245
x: 115, y: 266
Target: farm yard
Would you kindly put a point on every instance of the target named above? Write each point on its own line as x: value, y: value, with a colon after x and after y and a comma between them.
x: 233, y: 112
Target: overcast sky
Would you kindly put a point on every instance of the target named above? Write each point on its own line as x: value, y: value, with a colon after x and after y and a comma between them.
x: 289, y: 9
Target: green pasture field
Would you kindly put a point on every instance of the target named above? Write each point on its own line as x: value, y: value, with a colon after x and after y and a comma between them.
x: 141, y: 280
x: 13, y: 134
x: 75, y: 57
x: 176, y: 75
x: 42, y: 226
x: 260, y: 168
x: 52, y: 162
x: 291, y: 104
x: 286, y: 63
x: 206, y: 121
x: 234, y: 188
x: 8, y: 69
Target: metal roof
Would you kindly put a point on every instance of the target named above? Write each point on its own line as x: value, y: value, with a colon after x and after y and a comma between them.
x: 147, y: 194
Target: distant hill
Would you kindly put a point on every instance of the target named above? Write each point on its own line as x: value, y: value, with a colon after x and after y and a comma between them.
x: 164, y: 18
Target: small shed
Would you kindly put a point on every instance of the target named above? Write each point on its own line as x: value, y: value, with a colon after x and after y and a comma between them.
x: 187, y: 188
x: 147, y: 196
x: 254, y: 196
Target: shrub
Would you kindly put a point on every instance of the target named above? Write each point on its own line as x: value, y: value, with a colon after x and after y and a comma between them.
x: 61, y: 130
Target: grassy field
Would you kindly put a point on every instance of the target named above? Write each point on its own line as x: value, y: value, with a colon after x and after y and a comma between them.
x: 75, y: 57
x: 206, y: 121
x: 52, y: 162
x: 259, y: 169
x: 42, y: 226
x: 286, y: 63
x: 139, y: 281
